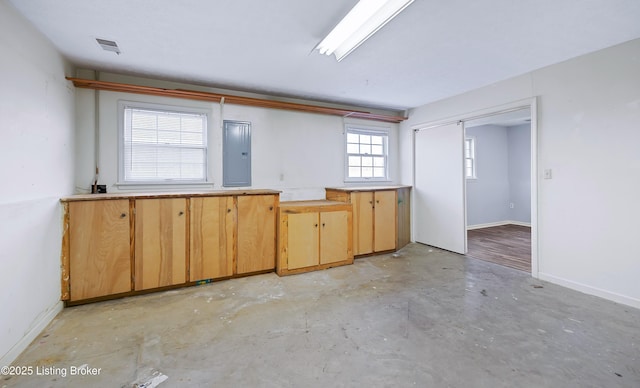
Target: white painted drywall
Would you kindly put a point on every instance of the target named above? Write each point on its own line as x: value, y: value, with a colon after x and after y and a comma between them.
x: 519, y: 143
x: 488, y: 194
x: 36, y: 155
x: 588, y: 120
x: 503, y: 176
x: 298, y: 153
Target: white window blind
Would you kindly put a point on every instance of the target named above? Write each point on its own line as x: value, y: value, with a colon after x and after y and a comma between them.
x: 366, y: 154
x: 163, y: 146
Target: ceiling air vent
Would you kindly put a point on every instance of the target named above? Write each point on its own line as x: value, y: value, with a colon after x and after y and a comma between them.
x: 108, y: 45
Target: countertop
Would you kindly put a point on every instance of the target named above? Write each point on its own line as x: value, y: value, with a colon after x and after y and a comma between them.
x: 216, y: 193
x: 367, y: 188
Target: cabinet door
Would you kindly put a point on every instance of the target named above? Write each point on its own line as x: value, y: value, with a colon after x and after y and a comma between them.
x: 385, y: 220
x: 334, y: 244
x: 256, y: 233
x: 212, y: 237
x: 99, y: 255
x: 160, y: 242
x: 303, y: 240
x: 362, y: 222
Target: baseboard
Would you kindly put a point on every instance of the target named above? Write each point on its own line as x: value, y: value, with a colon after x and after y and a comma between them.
x: 519, y: 223
x: 25, y: 341
x: 618, y: 298
x: 499, y: 223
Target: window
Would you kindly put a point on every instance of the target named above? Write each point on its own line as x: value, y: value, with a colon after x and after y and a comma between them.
x: 162, y: 145
x: 470, y: 158
x: 366, y: 154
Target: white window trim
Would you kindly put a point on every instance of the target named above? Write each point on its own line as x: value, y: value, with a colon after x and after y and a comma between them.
x: 474, y: 158
x: 384, y: 131
x: 133, y: 185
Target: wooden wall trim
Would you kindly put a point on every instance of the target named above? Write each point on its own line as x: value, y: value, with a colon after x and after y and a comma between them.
x: 229, y: 99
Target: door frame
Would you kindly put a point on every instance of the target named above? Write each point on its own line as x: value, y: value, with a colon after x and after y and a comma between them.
x: 532, y: 104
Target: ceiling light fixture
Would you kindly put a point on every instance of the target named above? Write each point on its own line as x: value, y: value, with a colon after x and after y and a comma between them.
x: 367, y: 17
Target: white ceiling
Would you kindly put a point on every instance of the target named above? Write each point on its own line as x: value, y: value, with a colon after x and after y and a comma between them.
x: 434, y: 49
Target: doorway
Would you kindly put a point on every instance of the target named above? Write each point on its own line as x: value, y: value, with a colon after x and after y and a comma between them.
x: 440, y: 214
x: 498, y: 188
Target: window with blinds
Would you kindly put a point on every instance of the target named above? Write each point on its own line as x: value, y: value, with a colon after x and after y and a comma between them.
x: 163, y: 145
x: 470, y: 158
x: 366, y: 154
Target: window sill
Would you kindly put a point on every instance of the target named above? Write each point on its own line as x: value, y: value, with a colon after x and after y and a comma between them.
x: 367, y: 180
x: 162, y: 186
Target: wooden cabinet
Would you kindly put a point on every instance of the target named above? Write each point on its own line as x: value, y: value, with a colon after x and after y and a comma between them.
x: 118, y: 244
x: 99, y: 260
x: 256, y: 233
x: 303, y: 241
x: 384, y: 223
x: 374, y: 217
x: 362, y: 221
x: 160, y: 242
x: 380, y: 217
x: 335, y: 244
x: 233, y: 235
x: 313, y: 235
x: 212, y: 238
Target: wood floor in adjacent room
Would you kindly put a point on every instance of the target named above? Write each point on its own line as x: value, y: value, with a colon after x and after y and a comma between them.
x: 508, y: 245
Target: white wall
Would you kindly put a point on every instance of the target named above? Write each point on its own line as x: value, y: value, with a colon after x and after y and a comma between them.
x: 519, y: 142
x: 36, y: 155
x: 298, y: 153
x: 588, y: 134
x: 503, y: 176
x: 488, y: 194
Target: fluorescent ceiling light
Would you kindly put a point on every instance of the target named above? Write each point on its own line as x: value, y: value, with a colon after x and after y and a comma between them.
x: 367, y: 17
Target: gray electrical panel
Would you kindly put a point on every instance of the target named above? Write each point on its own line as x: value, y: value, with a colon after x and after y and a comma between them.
x: 236, y: 150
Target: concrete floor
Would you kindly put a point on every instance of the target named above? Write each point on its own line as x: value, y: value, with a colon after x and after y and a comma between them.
x: 422, y: 317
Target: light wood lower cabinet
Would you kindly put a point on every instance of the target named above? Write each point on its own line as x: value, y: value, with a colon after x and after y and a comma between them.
x: 384, y: 223
x: 313, y: 235
x: 335, y: 246
x: 374, y: 221
x: 160, y: 242
x: 380, y: 217
x: 98, y: 254
x: 362, y: 222
x: 212, y: 232
x: 256, y: 233
x: 117, y: 245
x: 302, y: 246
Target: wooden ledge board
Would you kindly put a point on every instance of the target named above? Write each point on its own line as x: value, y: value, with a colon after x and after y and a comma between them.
x: 230, y: 99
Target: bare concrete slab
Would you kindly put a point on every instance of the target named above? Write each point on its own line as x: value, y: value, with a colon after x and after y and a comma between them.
x: 419, y: 318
